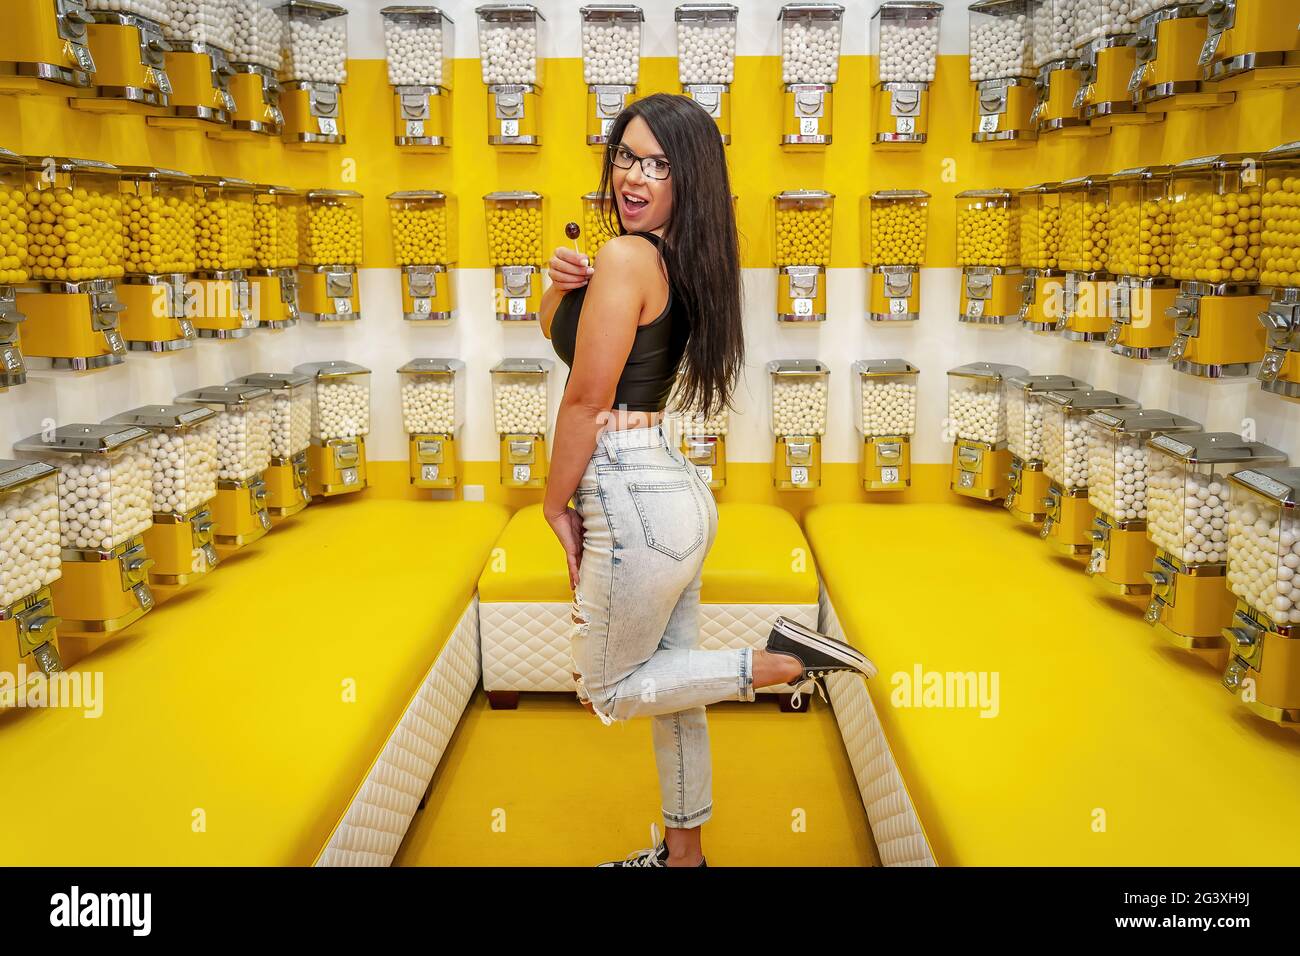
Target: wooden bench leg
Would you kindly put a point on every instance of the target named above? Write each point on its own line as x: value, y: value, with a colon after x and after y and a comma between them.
x: 503, y: 699
x: 784, y: 702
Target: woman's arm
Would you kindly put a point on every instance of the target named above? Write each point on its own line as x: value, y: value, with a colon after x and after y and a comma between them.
x: 625, y: 269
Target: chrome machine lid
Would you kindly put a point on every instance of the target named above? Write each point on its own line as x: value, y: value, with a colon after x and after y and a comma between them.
x: 612, y: 11
x: 900, y: 194
x: 927, y: 9
x: 874, y: 367
x: 313, y: 8
x: 225, y: 394
x: 431, y: 365
x: 418, y: 194
x: 985, y: 194
x: 988, y: 370
x: 818, y: 11
x: 1140, y: 173
x: 1046, y: 383
x: 225, y: 182
x: 333, y: 369
x: 508, y: 12
x: 513, y: 194
x: 1213, y: 164
x: 1088, y: 399
x: 19, y: 474
x: 88, y: 439
x: 415, y: 13
x: 1216, y: 448
x: 1282, y: 485
x: 155, y: 174
x: 1285, y: 151
x: 516, y: 365
x: 805, y: 194
x: 274, y: 381
x: 1143, y: 421
x: 797, y: 367
x: 334, y: 194
x: 706, y: 11
x: 163, y: 417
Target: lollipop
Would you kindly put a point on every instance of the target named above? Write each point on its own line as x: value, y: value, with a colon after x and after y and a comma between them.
x: 573, y: 231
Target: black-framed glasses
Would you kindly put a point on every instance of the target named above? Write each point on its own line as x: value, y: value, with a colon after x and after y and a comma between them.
x: 623, y: 158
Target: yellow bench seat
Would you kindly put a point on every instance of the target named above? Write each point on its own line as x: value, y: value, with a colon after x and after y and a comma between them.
x: 241, y: 718
x: 1101, y: 746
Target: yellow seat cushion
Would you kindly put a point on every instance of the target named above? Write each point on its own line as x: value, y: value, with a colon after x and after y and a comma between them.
x: 1107, y: 748
x: 760, y: 556
x: 240, y: 717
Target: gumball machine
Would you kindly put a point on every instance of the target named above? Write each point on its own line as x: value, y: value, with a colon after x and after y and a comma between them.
x: 799, y: 390
x: 1118, y: 478
x: 977, y: 420
x: 340, y: 422
x: 1085, y: 255
x: 598, y: 222
x: 243, y: 424
x: 1263, y: 554
x: 514, y: 231
x: 126, y: 42
x: 988, y: 251
x: 1002, y: 69
x: 199, y: 37
x: 1217, y: 230
x: 706, y: 58
x: 419, y: 41
x: 182, y: 453
x: 313, y: 69
x: 329, y: 255
x: 1280, y: 271
x: 433, y: 411
x: 510, y: 44
x: 1043, y: 307
x: 44, y: 47
x: 285, y: 478
x: 70, y: 299
x: 611, y: 63
x: 886, y: 419
x: 894, y: 230
x: 1141, y: 231
x: 803, y: 251
x: 273, y: 280
x: 30, y: 554
x: 105, y: 507
x: 13, y: 265
x: 1168, y: 75
x: 219, y: 295
x: 1188, y: 498
x: 810, y: 67
x: 1068, y: 525
x: 254, y: 62
x: 1107, y: 45
x: 704, y: 443
x: 1026, y: 412
x: 1060, y: 74
x: 1250, y: 44
x: 905, y: 44
x: 521, y: 412
x: 424, y: 240
x: 160, y: 252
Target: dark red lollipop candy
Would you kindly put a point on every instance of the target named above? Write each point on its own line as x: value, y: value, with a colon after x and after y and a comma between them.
x: 572, y: 231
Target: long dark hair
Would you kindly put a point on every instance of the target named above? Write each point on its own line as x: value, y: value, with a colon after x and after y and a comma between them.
x: 700, y: 245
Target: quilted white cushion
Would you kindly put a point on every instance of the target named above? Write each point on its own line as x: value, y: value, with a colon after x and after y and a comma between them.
x: 380, y: 813
x: 526, y: 645
x: 894, y: 822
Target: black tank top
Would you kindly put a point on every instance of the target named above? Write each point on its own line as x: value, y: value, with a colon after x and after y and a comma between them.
x: 651, y: 368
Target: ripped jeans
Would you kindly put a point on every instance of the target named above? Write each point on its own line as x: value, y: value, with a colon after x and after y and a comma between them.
x: 649, y: 519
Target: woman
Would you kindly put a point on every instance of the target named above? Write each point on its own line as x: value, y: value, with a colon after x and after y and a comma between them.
x: 660, y: 307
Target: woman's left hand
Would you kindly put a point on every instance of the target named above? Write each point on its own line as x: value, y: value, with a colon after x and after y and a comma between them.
x: 567, y: 526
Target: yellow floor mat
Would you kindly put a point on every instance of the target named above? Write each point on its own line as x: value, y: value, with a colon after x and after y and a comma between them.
x: 549, y: 785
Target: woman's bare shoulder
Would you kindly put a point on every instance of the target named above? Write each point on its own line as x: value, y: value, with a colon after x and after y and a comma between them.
x: 630, y: 259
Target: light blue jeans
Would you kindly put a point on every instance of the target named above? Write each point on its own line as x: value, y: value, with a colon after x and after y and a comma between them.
x: 649, y: 519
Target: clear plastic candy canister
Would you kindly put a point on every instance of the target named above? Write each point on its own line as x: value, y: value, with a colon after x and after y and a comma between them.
x: 1027, y: 411
x: 1118, y: 458
x: 706, y: 44
x: 1264, y: 543
x: 243, y: 427
x: 331, y: 233
x: 987, y: 230
x: 433, y: 396
x: 424, y: 227
x: 896, y: 222
x: 810, y: 42
x: 514, y: 228
x: 1001, y: 40
x: 183, y: 454
x: 419, y: 42
x: 885, y: 392
x: 79, y: 200
x: 340, y: 400
x: 905, y: 40
x: 277, y: 212
x: 314, y: 42
x: 977, y: 404
x: 510, y: 44
x: 159, y: 212
x: 799, y: 389
x: 225, y: 220
x: 803, y: 227
x: 1217, y: 220
x: 611, y: 44
x: 520, y: 402
x: 29, y: 529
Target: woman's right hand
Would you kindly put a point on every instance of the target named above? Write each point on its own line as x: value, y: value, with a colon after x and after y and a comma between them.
x: 569, y: 269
